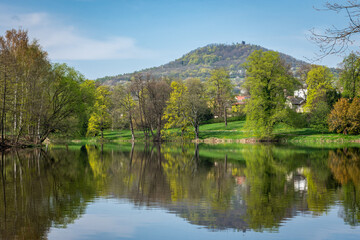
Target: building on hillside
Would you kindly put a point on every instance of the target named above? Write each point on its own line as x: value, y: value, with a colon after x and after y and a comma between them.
x: 241, y: 100
x: 301, y: 93
x: 296, y: 103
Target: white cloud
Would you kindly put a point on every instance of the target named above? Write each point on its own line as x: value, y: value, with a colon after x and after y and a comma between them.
x: 64, y: 42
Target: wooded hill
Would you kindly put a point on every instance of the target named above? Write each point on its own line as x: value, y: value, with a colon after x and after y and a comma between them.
x: 199, y: 62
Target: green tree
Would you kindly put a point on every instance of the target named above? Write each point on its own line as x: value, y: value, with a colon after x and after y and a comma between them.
x: 187, y: 105
x: 319, y: 117
x: 219, y: 88
x: 88, y: 90
x: 36, y: 97
x: 267, y: 78
x: 176, y: 112
x: 100, y: 118
x: 350, y: 76
x: 319, y: 80
x: 63, y: 101
x: 196, y: 103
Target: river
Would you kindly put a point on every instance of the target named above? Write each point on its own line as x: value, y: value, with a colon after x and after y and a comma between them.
x: 189, y: 191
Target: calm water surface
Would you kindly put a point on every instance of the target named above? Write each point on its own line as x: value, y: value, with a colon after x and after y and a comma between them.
x: 180, y: 192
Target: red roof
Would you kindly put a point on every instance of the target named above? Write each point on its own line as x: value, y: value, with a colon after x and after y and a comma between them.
x: 242, y: 98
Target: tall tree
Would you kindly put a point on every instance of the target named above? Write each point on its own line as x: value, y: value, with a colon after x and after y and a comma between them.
x: 36, y: 97
x: 267, y: 78
x: 350, y: 75
x: 100, y: 118
x: 5, y: 62
x: 124, y: 102
x: 88, y: 90
x: 220, y: 89
x: 187, y: 105
x: 25, y: 70
x: 63, y: 100
x: 176, y: 112
x: 319, y: 83
x: 137, y: 88
x: 156, y: 93
x: 196, y: 103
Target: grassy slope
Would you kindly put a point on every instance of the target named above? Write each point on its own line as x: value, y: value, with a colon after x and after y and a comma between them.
x: 235, y: 130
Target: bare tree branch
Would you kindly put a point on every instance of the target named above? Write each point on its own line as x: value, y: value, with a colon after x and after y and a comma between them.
x: 337, y: 40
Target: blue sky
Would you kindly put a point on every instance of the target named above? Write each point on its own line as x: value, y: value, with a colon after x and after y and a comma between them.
x: 109, y: 37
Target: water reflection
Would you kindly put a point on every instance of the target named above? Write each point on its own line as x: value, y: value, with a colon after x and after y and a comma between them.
x: 238, y: 187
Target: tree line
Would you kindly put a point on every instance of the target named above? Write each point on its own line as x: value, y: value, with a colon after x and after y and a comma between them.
x: 38, y: 98
x: 156, y: 105
x: 331, y: 104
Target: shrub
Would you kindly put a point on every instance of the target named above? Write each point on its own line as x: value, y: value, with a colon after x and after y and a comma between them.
x: 345, y: 117
x: 319, y: 117
x: 354, y: 117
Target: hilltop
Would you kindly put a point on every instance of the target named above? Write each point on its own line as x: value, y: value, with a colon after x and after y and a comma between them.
x: 199, y: 62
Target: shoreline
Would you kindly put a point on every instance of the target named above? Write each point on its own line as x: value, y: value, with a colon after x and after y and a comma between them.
x: 299, y: 139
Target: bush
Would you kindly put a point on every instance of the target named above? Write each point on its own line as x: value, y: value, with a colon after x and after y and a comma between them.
x: 354, y: 117
x: 345, y: 117
x: 294, y: 119
x: 319, y: 117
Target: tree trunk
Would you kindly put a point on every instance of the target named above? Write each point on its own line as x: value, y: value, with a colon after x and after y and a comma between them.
x: 354, y: 89
x: 44, y: 136
x: 225, y: 116
x: 131, y: 127
x: 18, y: 135
x: 3, y: 112
x: 15, y: 112
x: 158, y: 131
x: 3, y: 178
x: 197, y: 131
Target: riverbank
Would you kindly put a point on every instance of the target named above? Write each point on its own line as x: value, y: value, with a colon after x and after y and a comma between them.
x: 234, y: 133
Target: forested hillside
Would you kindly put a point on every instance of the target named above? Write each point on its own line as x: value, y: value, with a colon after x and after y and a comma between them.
x: 199, y: 62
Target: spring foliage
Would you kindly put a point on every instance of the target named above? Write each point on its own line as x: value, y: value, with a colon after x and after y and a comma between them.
x: 100, y: 118
x: 319, y: 80
x: 345, y: 117
x: 267, y: 78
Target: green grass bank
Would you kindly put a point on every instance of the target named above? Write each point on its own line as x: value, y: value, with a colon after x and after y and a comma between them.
x: 234, y: 133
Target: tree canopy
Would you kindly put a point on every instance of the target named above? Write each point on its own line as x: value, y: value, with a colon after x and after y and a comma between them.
x: 350, y: 76
x: 268, y: 80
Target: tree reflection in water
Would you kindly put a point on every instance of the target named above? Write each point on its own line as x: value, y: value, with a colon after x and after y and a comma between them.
x: 345, y: 166
x: 218, y: 187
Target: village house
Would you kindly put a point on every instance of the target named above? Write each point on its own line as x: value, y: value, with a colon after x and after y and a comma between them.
x: 241, y: 100
x: 296, y: 103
